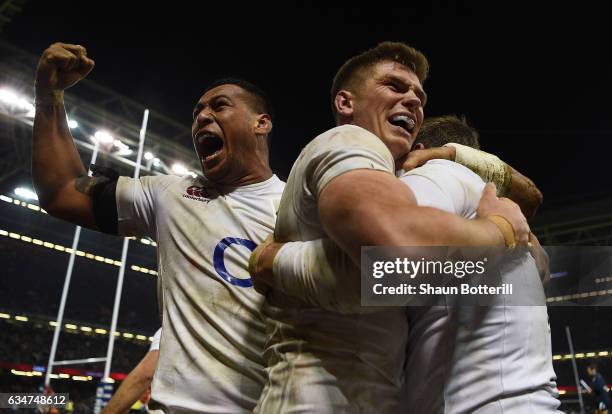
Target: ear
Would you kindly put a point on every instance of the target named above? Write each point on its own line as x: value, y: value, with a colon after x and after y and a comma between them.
x: 418, y: 146
x: 263, y: 125
x: 344, y: 103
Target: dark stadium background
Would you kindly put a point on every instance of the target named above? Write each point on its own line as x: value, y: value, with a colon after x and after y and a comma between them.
x: 536, y: 83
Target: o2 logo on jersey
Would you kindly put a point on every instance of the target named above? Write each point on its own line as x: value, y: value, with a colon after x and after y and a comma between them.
x: 219, y: 261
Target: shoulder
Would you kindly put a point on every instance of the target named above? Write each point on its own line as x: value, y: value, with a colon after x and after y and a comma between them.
x: 448, y: 166
x: 445, y: 185
x: 441, y: 169
x: 278, y: 186
x: 155, y: 180
x: 346, y: 143
x: 346, y: 137
x: 152, y: 185
x: 273, y: 186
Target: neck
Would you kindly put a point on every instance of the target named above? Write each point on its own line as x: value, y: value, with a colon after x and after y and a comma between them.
x: 259, y: 168
x: 400, y: 162
x: 254, y: 177
x: 256, y: 174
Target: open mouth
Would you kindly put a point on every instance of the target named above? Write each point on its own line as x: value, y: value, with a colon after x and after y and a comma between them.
x: 403, y: 121
x: 209, y: 145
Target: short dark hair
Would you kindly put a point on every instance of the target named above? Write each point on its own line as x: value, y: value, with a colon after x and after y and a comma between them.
x: 440, y: 130
x: 592, y: 365
x: 260, y: 102
x: 350, y: 73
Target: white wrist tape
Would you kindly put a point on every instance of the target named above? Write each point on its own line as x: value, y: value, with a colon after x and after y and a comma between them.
x: 319, y: 273
x: 489, y: 167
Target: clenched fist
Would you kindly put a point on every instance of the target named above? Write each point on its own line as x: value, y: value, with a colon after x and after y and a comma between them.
x: 61, y: 66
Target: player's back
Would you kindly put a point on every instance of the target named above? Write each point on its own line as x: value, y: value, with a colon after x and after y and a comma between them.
x: 485, y: 359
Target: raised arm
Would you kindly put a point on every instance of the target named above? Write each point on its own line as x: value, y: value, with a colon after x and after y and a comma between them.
x: 59, y: 177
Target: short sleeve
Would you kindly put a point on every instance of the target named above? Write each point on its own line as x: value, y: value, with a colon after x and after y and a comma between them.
x: 345, y: 149
x: 155, y: 342
x: 136, y: 204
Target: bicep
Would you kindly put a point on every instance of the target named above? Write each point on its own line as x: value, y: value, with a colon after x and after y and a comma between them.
x: 371, y: 208
x: 74, y: 204
x: 89, y: 202
x: 358, y: 208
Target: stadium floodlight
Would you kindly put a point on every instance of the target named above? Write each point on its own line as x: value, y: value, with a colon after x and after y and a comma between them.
x: 25, y: 193
x: 8, y: 96
x: 148, y: 156
x: 124, y: 149
x: 179, y: 169
x: 72, y: 124
x: 20, y: 103
x: 103, y: 137
x: 26, y: 106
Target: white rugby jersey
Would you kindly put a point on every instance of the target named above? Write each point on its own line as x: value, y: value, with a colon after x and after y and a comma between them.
x: 318, y: 361
x: 447, y: 186
x: 155, y: 342
x: 476, y: 359
x: 213, y: 330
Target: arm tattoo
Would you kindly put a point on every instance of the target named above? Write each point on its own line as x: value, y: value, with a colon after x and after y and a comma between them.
x: 86, y: 185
